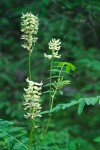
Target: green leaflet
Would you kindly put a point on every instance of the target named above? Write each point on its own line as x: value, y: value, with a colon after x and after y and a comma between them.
x: 61, y: 92
x: 46, y: 92
x: 54, y: 84
x: 70, y: 104
x: 4, y: 124
x: 67, y: 65
x: 62, y: 83
x: 54, y: 70
x: 81, y: 106
x: 87, y: 101
x: 53, y: 77
x: 91, y: 100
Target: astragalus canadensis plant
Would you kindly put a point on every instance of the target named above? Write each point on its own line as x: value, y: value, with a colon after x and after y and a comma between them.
x: 34, y: 91
x: 32, y: 102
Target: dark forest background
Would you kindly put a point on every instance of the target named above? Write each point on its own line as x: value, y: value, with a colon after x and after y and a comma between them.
x: 77, y: 24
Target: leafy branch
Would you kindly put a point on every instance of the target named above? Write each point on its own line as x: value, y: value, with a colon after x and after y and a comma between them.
x: 81, y: 104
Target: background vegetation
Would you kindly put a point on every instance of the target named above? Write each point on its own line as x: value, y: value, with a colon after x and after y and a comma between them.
x: 76, y: 23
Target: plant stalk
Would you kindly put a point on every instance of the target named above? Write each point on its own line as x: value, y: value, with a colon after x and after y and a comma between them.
x: 33, y: 123
x: 51, y: 98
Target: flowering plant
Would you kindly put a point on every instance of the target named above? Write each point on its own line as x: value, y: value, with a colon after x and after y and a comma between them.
x: 57, y: 80
x: 34, y: 90
x: 32, y: 96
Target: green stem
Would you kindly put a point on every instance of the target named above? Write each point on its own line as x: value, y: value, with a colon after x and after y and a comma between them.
x: 33, y: 124
x: 31, y: 136
x: 45, y: 131
x: 29, y: 65
x: 56, y: 89
x: 30, y: 141
x: 34, y: 136
x: 51, y: 100
x: 50, y: 80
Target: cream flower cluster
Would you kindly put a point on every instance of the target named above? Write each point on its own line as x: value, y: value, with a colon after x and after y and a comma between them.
x: 29, y: 25
x: 54, y: 46
x: 32, y: 99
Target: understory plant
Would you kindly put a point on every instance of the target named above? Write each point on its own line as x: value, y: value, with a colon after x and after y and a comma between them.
x: 57, y: 78
x: 32, y: 103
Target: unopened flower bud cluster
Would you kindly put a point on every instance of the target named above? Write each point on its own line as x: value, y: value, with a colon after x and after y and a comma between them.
x: 30, y: 24
x: 32, y: 99
x: 54, y: 46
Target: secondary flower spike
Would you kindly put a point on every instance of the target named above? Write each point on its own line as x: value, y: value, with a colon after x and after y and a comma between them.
x: 54, y: 46
x: 29, y: 28
x: 32, y: 99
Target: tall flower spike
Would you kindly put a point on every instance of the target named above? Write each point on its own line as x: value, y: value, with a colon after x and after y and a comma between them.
x: 29, y: 28
x: 32, y: 99
x: 54, y: 46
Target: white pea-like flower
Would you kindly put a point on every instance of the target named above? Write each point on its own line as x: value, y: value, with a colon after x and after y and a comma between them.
x: 54, y: 46
x: 47, y: 56
x: 56, y: 55
x: 32, y: 99
x: 29, y: 28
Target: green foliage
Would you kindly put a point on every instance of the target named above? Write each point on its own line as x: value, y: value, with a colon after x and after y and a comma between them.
x: 87, y: 101
x: 81, y: 106
x: 77, y: 25
x: 97, y: 139
x: 68, y: 66
x: 15, y: 136
x: 81, y: 103
x: 62, y: 83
